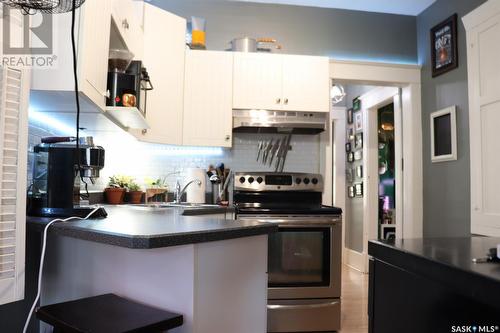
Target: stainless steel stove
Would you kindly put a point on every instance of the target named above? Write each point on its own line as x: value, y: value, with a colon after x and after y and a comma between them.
x: 304, y: 263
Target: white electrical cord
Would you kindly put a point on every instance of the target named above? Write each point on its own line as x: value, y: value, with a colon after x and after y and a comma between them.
x: 42, y: 258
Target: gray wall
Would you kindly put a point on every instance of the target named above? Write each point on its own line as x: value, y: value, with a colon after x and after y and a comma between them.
x: 446, y: 185
x: 335, y: 33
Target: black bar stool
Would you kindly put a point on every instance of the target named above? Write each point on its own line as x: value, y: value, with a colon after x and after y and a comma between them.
x: 107, y: 314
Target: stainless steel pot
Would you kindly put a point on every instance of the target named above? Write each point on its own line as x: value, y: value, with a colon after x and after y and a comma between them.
x: 245, y: 44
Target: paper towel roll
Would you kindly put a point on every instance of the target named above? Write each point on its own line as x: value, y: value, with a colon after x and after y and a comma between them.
x: 196, y: 193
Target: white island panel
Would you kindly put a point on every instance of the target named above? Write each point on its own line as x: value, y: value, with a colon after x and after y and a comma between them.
x: 217, y: 286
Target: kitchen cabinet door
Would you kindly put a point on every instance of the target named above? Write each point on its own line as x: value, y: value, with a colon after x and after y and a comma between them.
x: 257, y: 81
x: 94, y: 49
x: 127, y: 17
x: 208, y: 99
x: 164, y: 53
x: 306, y: 83
x: 483, y: 52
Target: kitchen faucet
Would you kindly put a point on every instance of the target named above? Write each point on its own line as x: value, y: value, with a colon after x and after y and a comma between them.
x: 179, y: 192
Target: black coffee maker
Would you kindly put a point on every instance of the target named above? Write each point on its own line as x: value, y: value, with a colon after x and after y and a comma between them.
x: 57, y: 175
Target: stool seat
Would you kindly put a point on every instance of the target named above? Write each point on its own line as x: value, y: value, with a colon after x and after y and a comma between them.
x: 107, y: 313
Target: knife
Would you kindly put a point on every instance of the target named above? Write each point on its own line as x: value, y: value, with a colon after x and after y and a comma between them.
x: 261, y: 145
x: 280, y: 154
x: 274, y: 151
x: 285, y: 152
x: 269, y: 145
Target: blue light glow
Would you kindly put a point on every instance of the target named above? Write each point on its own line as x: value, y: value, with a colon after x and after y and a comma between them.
x: 122, y: 141
x: 186, y: 151
x: 49, y: 120
x: 385, y: 61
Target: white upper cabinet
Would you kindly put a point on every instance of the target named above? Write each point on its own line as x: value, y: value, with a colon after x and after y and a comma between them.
x: 208, y: 98
x: 281, y: 82
x: 257, y: 81
x: 127, y: 16
x: 306, y: 83
x: 52, y: 89
x: 483, y: 54
x: 164, y: 56
x: 94, y: 49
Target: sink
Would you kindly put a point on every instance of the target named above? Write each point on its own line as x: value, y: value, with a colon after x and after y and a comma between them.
x: 176, y: 205
x: 190, y: 205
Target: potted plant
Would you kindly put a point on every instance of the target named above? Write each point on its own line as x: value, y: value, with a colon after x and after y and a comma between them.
x: 135, y: 193
x: 115, y: 192
x: 155, y: 187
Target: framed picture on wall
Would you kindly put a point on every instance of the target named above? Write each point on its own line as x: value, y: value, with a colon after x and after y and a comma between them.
x: 359, y: 171
x: 359, y: 141
x: 444, y: 135
x: 350, y: 118
x: 356, y: 104
x: 358, y: 155
x: 350, y: 191
x: 350, y: 134
x: 358, y: 121
x: 444, y: 47
x: 350, y: 157
x: 358, y: 190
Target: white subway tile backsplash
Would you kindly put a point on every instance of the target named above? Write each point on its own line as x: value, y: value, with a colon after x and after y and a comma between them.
x: 127, y: 156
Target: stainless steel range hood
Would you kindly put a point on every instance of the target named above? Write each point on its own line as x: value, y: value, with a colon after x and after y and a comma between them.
x: 263, y: 121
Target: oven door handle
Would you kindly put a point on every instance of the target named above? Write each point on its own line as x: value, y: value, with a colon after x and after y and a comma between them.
x: 301, y: 306
x: 294, y: 221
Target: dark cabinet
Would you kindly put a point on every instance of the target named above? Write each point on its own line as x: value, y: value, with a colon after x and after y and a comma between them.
x: 408, y: 294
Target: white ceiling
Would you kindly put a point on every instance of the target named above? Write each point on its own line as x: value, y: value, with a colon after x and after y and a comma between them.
x: 404, y: 7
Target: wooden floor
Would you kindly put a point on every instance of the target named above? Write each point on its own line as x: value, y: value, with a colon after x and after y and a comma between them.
x: 354, y: 301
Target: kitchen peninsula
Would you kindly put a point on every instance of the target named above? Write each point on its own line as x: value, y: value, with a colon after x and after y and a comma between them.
x: 195, y: 265
x: 433, y: 285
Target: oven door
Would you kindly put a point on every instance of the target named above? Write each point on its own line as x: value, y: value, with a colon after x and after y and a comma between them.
x: 304, y: 258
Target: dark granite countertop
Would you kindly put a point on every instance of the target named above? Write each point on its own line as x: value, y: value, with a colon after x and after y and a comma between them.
x: 147, y: 228
x: 447, y: 261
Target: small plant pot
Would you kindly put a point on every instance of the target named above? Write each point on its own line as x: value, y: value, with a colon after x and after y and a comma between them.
x: 114, y: 196
x: 135, y: 197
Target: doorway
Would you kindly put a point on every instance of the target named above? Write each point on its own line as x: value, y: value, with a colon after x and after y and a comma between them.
x: 403, y: 82
x: 387, y: 173
x: 373, y: 156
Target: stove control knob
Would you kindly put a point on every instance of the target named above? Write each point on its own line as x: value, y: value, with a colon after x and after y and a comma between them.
x: 306, y: 181
x: 251, y: 180
x: 260, y: 180
x: 298, y: 181
x: 315, y: 181
x: 242, y: 180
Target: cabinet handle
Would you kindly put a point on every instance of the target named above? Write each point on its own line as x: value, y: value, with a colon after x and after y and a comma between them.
x: 278, y: 100
x: 286, y: 100
x: 228, y: 137
x: 125, y: 24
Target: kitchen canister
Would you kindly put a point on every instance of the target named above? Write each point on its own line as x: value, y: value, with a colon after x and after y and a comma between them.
x: 196, y: 193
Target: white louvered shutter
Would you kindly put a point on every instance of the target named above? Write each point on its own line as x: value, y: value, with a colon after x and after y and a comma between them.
x: 13, y: 162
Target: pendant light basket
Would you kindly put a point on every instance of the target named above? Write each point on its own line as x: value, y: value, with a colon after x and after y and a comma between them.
x: 43, y: 6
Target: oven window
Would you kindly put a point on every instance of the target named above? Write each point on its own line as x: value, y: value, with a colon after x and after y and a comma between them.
x: 299, y: 257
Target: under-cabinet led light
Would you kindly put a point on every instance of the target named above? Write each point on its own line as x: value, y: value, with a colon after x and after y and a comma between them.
x: 46, y: 119
x: 186, y: 151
